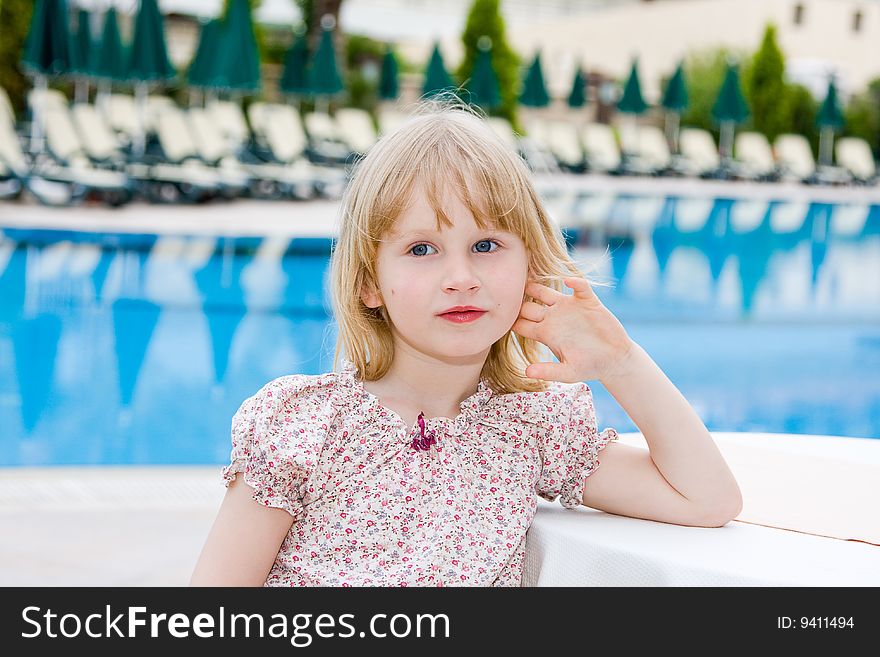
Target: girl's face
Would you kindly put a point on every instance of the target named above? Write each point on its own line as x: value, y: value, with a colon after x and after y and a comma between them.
x: 449, y: 294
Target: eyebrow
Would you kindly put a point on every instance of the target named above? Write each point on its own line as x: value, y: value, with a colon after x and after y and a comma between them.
x: 421, y: 231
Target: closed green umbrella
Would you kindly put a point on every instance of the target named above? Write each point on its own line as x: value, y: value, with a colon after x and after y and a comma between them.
x: 828, y: 119
x: 295, y: 79
x: 632, y: 101
x: 730, y: 109
x: 83, y: 54
x: 110, y: 57
x: 148, y: 60
x: 47, y: 51
x: 200, y: 73
x: 436, y: 76
x: 239, y: 62
x: 675, y: 102
x: 483, y: 83
x: 388, y: 88
x: 577, y: 97
x: 323, y: 74
x: 534, y: 92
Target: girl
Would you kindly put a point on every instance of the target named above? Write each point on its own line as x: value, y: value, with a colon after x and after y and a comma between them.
x: 417, y: 463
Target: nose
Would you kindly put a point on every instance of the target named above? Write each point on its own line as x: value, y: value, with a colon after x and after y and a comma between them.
x: 460, y: 276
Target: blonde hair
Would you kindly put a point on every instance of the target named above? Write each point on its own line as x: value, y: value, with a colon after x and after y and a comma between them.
x: 444, y: 144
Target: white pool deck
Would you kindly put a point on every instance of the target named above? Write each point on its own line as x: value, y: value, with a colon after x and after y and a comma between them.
x: 145, y: 526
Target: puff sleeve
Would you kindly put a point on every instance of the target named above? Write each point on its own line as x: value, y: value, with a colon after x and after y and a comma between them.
x: 570, y: 452
x: 275, y: 445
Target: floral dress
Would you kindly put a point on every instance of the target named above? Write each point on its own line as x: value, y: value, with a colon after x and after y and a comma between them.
x: 371, y: 510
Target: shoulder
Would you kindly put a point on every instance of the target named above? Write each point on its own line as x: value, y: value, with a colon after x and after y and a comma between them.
x: 548, y: 408
x: 305, y: 396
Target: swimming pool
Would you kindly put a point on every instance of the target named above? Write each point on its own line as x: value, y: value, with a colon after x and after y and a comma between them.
x: 123, y: 348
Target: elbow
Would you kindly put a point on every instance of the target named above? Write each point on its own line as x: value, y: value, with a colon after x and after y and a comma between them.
x: 722, y: 512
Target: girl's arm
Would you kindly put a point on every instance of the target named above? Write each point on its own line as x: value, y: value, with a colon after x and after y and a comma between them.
x: 243, y: 542
x: 684, y: 479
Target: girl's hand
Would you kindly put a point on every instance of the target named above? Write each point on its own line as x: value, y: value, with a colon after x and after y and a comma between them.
x: 582, y: 333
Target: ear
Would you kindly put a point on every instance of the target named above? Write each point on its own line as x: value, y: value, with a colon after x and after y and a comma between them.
x: 370, y: 295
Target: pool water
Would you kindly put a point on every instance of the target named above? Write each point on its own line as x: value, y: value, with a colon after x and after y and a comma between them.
x: 138, y: 349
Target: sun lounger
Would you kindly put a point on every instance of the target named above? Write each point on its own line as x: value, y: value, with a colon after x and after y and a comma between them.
x: 267, y: 180
x: 179, y: 147
x: 562, y: 139
x: 600, y: 146
x: 794, y: 155
x: 121, y: 115
x: 325, y: 143
x: 754, y: 157
x: 159, y: 181
x: 855, y: 155
x: 72, y: 163
x: 231, y: 120
x: 279, y: 129
x: 19, y: 173
x: 698, y: 154
x: 355, y: 128
x: 651, y: 155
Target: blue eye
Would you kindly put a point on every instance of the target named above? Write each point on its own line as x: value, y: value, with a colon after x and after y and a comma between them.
x: 421, y: 249
x: 485, y: 246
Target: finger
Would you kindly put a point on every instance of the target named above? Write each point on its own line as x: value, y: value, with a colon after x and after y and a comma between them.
x: 581, y: 286
x: 533, y: 311
x: 542, y: 293
x: 548, y: 372
x: 527, y: 328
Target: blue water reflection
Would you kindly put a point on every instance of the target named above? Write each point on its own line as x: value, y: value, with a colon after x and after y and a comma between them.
x: 138, y: 349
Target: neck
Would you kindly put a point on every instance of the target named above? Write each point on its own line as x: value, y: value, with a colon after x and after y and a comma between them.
x: 429, y: 384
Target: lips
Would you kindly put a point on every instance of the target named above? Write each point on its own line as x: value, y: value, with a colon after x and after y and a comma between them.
x: 462, y: 314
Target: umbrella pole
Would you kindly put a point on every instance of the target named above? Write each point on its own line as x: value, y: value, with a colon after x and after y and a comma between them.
x: 672, y: 121
x: 102, y: 94
x: 141, y: 137
x: 826, y: 138
x: 81, y: 91
x: 36, y: 129
x: 726, y: 141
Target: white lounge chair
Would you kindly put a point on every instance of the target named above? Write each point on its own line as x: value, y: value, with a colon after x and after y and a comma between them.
x: 698, y: 154
x: 268, y: 180
x: 325, y: 143
x: 562, y: 139
x: 855, y: 155
x: 71, y: 163
x: 600, y: 146
x: 279, y: 128
x: 231, y: 121
x: 355, y: 128
x: 794, y: 155
x: 179, y: 147
x: 754, y: 157
x: 652, y: 153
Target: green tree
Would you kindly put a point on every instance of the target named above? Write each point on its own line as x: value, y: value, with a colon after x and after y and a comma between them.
x: 801, y: 109
x: 704, y: 72
x: 484, y: 19
x: 765, y: 88
x: 863, y: 116
x: 15, y: 19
